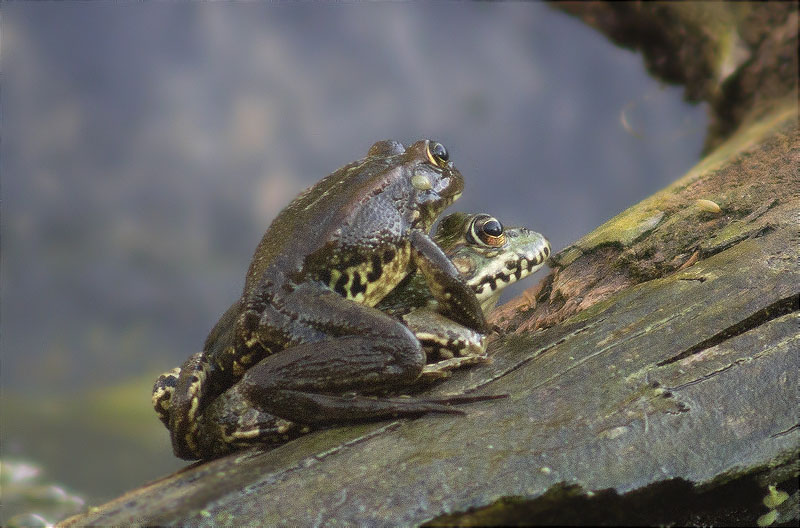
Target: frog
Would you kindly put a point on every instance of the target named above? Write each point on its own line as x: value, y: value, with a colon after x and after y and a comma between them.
x: 488, y: 256
x: 304, y: 342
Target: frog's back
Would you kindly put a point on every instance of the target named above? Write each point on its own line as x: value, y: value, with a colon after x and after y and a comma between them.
x: 330, y: 212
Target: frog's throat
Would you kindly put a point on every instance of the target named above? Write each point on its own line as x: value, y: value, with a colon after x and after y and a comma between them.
x: 372, y: 279
x: 425, y: 217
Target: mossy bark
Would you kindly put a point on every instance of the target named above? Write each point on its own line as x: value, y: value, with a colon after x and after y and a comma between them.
x: 652, y: 378
x: 740, y: 57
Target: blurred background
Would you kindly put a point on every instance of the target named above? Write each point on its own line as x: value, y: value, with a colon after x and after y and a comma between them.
x: 146, y: 148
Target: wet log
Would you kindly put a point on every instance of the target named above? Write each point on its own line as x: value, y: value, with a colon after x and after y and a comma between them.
x: 652, y: 376
x: 658, y: 362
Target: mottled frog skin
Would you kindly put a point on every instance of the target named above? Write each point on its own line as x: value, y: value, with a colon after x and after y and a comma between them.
x: 305, y: 336
x: 490, y: 257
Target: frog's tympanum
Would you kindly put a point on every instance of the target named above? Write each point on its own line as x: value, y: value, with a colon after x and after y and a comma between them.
x: 305, y: 342
x: 488, y: 258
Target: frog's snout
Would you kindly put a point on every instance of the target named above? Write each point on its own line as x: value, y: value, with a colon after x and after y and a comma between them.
x: 451, y: 185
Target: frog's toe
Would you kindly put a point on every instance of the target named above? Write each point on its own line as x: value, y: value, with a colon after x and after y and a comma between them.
x: 432, y: 373
x: 447, y: 365
x: 327, y: 409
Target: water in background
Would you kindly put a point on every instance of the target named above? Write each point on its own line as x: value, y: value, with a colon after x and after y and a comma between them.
x: 146, y: 147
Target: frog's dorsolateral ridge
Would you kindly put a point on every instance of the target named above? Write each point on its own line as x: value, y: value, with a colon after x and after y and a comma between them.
x: 488, y: 256
x: 305, y: 333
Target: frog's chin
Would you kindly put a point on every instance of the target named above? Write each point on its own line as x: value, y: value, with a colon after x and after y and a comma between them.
x: 430, y: 210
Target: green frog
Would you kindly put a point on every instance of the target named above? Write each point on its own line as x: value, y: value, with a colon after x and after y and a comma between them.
x: 305, y: 342
x: 488, y: 256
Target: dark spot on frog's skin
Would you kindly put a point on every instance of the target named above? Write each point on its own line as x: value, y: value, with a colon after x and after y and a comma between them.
x: 388, y: 256
x: 325, y: 277
x: 340, y: 284
x: 546, y: 251
x: 510, y: 264
x: 354, y: 261
x: 358, y: 286
x: 377, y: 269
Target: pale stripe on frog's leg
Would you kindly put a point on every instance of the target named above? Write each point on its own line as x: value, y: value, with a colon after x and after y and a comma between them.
x: 163, y: 389
x: 442, y: 338
x: 231, y: 423
x: 435, y: 331
x: 185, y: 405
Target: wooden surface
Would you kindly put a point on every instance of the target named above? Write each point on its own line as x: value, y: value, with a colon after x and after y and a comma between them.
x: 652, y: 376
x: 692, y: 376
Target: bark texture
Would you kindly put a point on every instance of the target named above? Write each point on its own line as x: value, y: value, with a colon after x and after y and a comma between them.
x: 740, y: 57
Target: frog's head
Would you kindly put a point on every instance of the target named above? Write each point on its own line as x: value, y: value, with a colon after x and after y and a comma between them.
x: 426, y: 180
x: 488, y: 255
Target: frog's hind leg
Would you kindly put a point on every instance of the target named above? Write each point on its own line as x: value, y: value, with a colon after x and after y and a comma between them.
x: 185, y: 405
x: 163, y: 390
x: 200, y: 379
x: 230, y: 423
x: 325, y: 409
x: 364, y: 351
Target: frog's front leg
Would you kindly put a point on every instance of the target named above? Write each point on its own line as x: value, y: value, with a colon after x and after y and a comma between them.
x: 364, y: 351
x: 448, y: 345
x: 456, y: 300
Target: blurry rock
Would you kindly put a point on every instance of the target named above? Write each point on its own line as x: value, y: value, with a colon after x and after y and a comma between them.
x: 29, y: 500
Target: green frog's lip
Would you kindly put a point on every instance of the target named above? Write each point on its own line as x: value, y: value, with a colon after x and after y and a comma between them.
x: 498, y: 274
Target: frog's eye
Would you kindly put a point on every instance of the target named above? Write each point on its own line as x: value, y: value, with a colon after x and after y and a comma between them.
x: 437, y: 154
x: 486, y: 230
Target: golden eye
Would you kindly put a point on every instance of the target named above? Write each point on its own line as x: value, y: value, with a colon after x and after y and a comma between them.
x: 437, y: 154
x: 487, y: 231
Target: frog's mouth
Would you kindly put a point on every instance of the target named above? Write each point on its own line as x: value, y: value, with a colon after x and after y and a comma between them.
x: 487, y: 284
x: 501, y: 270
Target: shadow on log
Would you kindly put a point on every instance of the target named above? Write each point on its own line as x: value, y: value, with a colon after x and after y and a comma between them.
x: 652, y: 378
